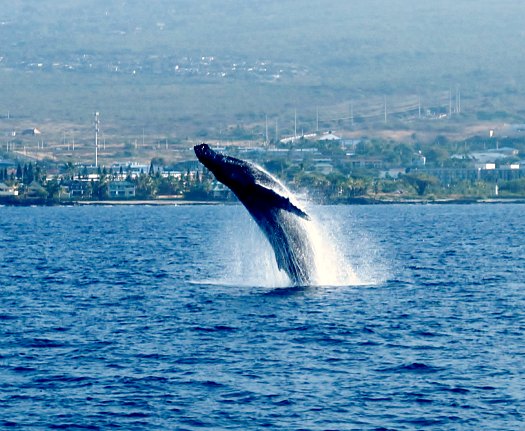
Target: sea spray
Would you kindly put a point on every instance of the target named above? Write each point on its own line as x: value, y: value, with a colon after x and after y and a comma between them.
x: 350, y: 254
x: 331, y: 266
x: 342, y: 256
x: 345, y: 253
x: 248, y: 257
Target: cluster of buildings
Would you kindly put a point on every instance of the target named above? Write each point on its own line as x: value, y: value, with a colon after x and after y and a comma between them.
x: 70, y: 189
x: 208, y: 66
x: 82, y: 182
x: 489, y: 165
x: 323, y: 153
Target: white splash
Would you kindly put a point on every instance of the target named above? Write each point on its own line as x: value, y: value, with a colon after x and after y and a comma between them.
x: 331, y: 265
x: 340, y: 259
x: 345, y: 255
x: 249, y: 258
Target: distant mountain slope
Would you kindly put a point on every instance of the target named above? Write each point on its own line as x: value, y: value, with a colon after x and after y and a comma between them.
x: 166, y: 61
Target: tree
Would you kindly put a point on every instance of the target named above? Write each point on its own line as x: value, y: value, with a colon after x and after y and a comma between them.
x: 420, y: 182
x: 437, y: 156
x: 405, y: 153
x: 168, y: 186
x: 39, y: 175
x: 145, y: 187
x: 28, y: 174
x: 103, y: 188
x: 69, y: 170
x: 514, y: 186
x: 52, y: 187
x: 336, y: 183
x: 356, y: 187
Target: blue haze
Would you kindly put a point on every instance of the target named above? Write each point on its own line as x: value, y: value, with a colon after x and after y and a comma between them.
x: 139, y: 318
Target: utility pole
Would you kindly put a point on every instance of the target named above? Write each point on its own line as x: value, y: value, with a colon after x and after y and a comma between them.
x: 352, y: 113
x: 385, y: 110
x: 419, y: 107
x: 449, y: 103
x: 266, y: 130
x: 295, y: 125
x: 458, y: 99
x: 97, y: 124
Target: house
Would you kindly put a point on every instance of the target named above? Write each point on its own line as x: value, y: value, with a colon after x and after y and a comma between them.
x: 78, y: 189
x: 31, y: 132
x: 419, y: 159
x: 220, y: 191
x: 6, y: 190
x: 363, y: 163
x: 329, y: 137
x: 121, y: 189
x: 494, y: 154
x: 324, y: 166
x: 7, y: 164
x: 35, y: 190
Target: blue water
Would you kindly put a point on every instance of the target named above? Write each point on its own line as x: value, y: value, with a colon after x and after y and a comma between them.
x: 166, y: 318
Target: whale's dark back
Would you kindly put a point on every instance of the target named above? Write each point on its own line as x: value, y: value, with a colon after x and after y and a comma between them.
x: 279, y: 219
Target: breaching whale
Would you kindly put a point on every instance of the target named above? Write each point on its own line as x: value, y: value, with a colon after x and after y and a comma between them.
x: 281, y: 221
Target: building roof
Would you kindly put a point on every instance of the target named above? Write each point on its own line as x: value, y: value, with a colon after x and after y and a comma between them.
x: 329, y: 137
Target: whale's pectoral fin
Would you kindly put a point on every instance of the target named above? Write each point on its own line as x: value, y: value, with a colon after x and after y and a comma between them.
x: 278, y: 201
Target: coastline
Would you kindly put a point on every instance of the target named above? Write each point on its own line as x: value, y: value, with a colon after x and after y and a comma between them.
x: 187, y: 202
x: 151, y: 202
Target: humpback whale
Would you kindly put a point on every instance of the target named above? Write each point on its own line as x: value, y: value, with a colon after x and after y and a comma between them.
x: 268, y: 202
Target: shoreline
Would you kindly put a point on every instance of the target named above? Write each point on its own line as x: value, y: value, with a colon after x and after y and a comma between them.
x: 151, y: 202
x: 185, y: 202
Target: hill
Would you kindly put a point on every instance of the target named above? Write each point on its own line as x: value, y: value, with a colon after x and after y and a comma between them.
x: 173, y: 69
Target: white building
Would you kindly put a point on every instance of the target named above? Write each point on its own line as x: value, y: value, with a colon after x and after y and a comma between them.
x: 6, y: 190
x: 121, y: 189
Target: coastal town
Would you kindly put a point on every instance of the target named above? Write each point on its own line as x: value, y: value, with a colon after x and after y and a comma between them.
x: 324, y: 166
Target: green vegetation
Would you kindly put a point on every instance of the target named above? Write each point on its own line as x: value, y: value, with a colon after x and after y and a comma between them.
x: 366, y: 170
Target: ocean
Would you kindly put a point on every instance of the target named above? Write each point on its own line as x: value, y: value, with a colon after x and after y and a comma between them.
x: 176, y: 318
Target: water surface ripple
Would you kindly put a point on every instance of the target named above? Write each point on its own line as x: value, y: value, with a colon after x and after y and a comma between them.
x: 137, y: 318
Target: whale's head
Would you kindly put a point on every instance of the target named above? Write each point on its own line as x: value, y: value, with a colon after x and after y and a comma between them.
x: 230, y: 171
x: 209, y: 158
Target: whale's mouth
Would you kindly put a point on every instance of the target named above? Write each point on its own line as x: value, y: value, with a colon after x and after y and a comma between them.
x: 203, y: 151
x: 207, y: 156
